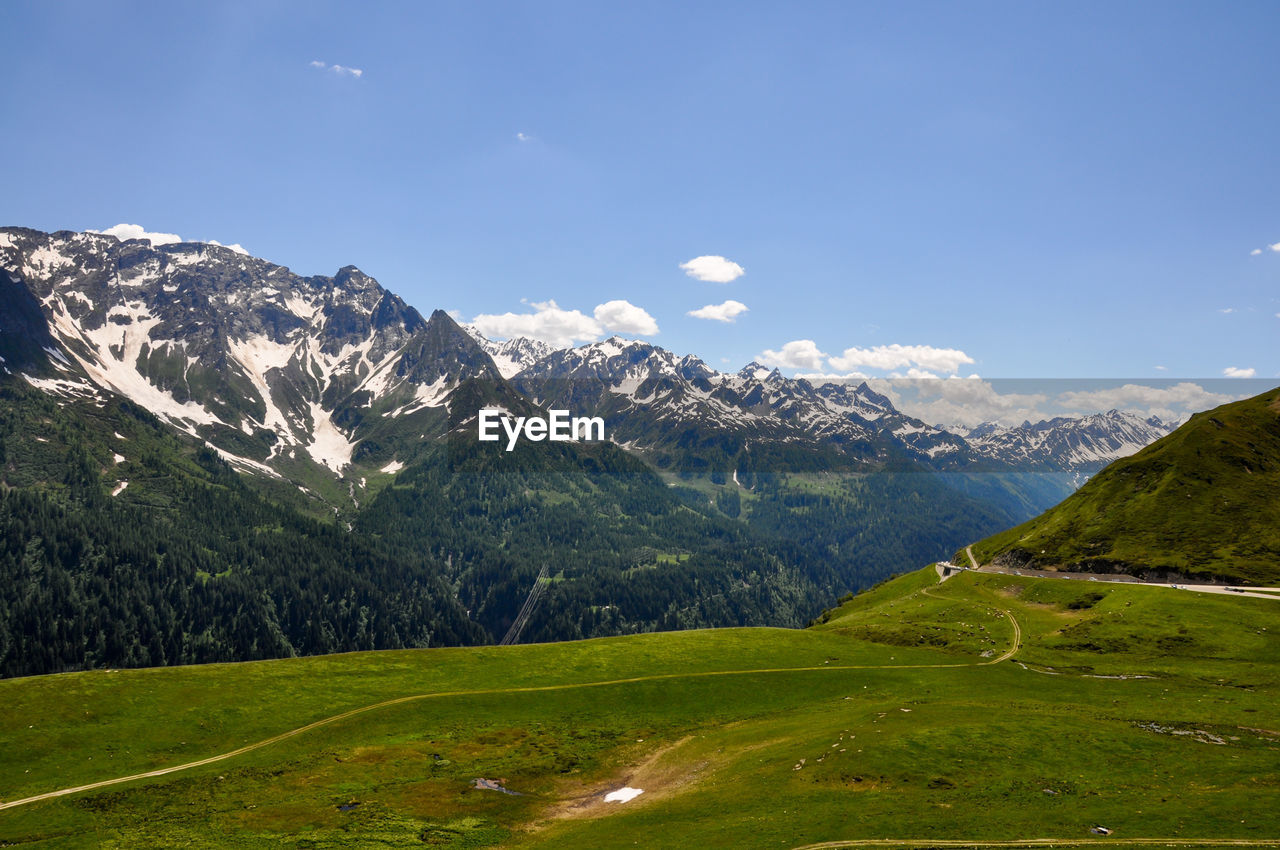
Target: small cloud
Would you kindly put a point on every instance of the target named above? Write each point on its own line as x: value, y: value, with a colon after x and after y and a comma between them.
x: 829, y: 377
x: 713, y: 269
x: 1162, y: 368
x: 625, y: 317
x: 125, y: 232
x: 725, y: 312
x: 797, y: 354
x: 522, y: 137
x: 1275, y: 247
x: 234, y: 246
x: 965, y: 402
x: 137, y: 231
x: 913, y: 357
x: 1255, y: 252
x: 340, y: 70
x: 1227, y: 310
x: 1237, y: 372
x: 551, y: 324
x: 914, y: 374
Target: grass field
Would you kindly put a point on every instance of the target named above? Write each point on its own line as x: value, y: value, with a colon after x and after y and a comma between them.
x: 1147, y: 711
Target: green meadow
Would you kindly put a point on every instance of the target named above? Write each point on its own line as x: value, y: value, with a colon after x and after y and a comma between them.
x: 901, y: 715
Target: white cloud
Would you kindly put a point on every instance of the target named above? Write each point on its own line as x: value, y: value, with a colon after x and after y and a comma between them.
x: 625, y: 317
x: 819, y: 378
x: 340, y: 70
x: 234, y: 246
x: 713, y: 268
x: 1255, y: 252
x: 1275, y: 247
x: 1162, y: 368
x: 955, y: 401
x: 565, y: 328
x: 914, y: 374
x: 522, y: 137
x: 1168, y: 402
x: 797, y: 354
x: 137, y: 231
x: 1237, y: 372
x: 551, y: 324
x: 969, y: 401
x: 1227, y: 310
x: 725, y: 312
x: 902, y: 356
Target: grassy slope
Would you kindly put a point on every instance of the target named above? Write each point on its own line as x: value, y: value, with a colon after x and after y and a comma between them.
x: 1201, y: 502
x: 971, y: 756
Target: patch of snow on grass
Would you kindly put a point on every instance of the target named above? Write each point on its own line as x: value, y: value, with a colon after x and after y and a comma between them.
x: 393, y: 467
x: 623, y: 795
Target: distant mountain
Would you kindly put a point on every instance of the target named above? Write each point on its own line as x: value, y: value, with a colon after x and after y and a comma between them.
x: 681, y: 413
x: 1065, y: 443
x: 1200, y: 502
x: 511, y: 355
x: 132, y: 374
x: 326, y: 381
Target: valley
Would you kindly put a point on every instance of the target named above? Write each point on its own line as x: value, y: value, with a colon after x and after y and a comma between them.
x: 665, y: 425
x: 207, y: 457
x: 919, y: 711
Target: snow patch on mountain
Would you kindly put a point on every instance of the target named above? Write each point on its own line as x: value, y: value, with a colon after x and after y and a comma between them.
x: 328, y: 444
x: 513, y: 355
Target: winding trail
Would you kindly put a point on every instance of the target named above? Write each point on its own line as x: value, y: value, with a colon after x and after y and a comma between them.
x: 532, y: 689
x: 1017, y: 630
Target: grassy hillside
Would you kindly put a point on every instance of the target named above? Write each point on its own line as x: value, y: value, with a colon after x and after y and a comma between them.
x: 1202, y: 502
x: 1147, y: 710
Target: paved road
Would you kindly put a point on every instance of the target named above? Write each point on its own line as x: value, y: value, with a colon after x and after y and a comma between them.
x: 1226, y: 590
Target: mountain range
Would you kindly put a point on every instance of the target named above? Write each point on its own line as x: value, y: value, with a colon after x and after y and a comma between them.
x: 279, y: 372
x: 295, y: 458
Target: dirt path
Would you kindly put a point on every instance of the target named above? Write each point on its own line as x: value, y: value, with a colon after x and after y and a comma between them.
x: 164, y: 771
x: 1017, y: 630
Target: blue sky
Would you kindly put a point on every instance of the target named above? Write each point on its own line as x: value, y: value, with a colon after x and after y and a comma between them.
x: 1014, y: 190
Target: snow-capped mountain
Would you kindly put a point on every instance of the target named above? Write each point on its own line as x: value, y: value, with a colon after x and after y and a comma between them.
x: 513, y: 355
x: 658, y: 402
x: 267, y: 366
x: 1084, y: 444
x: 277, y: 370
x: 679, y: 407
